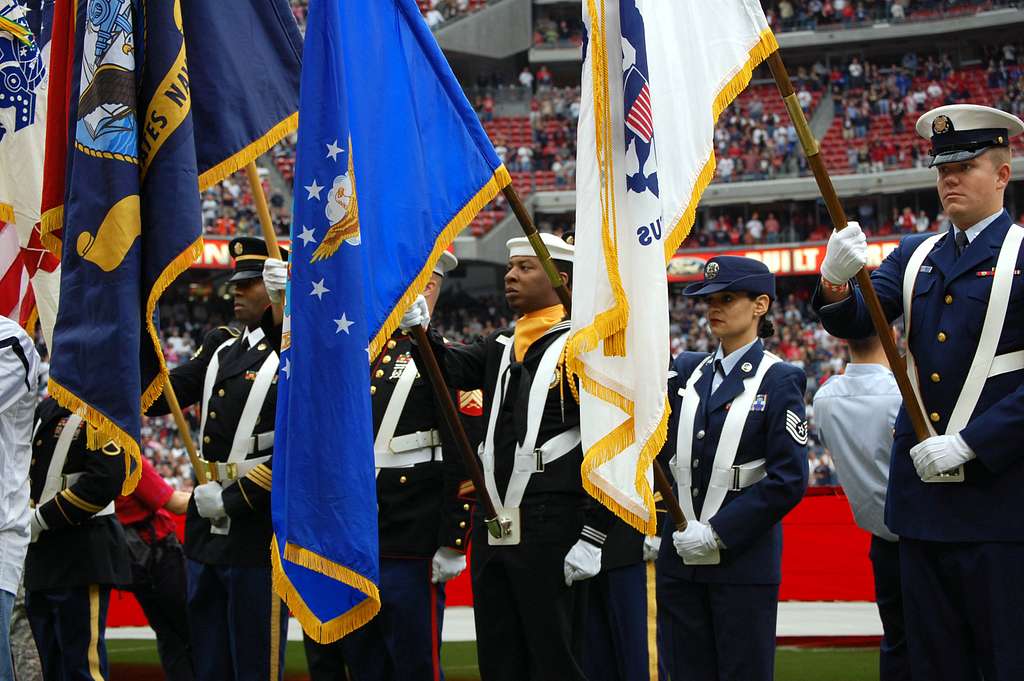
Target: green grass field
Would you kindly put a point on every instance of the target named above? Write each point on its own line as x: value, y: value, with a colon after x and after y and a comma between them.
x: 137, y: 661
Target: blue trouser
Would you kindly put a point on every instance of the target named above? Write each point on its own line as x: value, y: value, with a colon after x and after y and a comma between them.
x: 620, y: 625
x: 6, y: 609
x: 68, y: 626
x: 962, y: 605
x: 403, y: 642
x: 232, y: 613
x: 717, y: 632
x: 893, y: 660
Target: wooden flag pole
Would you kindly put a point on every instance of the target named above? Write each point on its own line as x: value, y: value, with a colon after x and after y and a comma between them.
x: 661, y: 482
x: 266, y: 222
x: 838, y: 215
x: 202, y: 473
x: 451, y: 417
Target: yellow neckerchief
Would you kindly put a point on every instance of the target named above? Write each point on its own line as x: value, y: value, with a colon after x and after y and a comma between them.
x: 533, y: 325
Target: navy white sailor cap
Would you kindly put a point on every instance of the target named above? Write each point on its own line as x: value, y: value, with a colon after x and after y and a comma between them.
x: 559, y: 248
x: 960, y: 132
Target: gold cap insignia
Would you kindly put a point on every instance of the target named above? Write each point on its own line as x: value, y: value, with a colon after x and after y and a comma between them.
x: 238, y: 248
x: 941, y: 125
x: 571, y: 240
x: 711, y: 270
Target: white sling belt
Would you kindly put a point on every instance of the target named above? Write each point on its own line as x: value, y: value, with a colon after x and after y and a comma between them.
x: 985, y: 363
x: 237, y: 465
x: 404, y: 451
x: 725, y: 477
x: 529, y: 459
x: 56, y: 481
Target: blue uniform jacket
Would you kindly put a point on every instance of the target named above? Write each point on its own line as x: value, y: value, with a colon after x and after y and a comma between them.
x: 951, y: 297
x: 749, y: 521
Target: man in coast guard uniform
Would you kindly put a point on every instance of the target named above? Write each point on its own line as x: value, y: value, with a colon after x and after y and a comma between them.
x: 78, y: 550
x: 738, y: 442
x: 424, y: 502
x: 237, y: 624
x: 954, y: 499
x: 528, y: 599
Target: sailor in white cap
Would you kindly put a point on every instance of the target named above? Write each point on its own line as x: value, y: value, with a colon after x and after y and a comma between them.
x: 954, y: 499
x: 527, y: 586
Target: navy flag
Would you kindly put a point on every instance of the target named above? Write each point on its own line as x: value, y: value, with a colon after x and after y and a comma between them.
x: 131, y: 219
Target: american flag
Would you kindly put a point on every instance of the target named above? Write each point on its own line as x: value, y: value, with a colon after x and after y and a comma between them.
x: 15, y: 291
x: 639, y: 118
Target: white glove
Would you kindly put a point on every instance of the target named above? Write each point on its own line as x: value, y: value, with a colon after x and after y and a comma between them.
x: 37, y: 525
x: 582, y: 562
x: 696, y: 543
x: 418, y: 314
x: 846, y: 255
x: 275, y: 278
x: 652, y: 547
x: 447, y: 564
x: 209, y: 500
x: 939, y: 454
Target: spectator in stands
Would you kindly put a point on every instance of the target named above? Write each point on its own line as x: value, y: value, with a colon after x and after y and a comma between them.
x: 526, y: 78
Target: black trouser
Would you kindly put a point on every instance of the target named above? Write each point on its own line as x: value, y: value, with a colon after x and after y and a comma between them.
x: 69, y: 626
x: 159, y: 585
x: 893, y: 659
x: 529, y: 624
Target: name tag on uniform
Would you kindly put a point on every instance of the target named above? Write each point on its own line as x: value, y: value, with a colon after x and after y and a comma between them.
x: 925, y: 268
x: 760, y: 403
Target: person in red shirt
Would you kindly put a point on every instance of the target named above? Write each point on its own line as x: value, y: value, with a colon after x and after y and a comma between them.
x: 158, y: 566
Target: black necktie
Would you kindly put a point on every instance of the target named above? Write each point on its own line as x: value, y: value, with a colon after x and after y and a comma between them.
x: 719, y: 371
x: 961, y: 242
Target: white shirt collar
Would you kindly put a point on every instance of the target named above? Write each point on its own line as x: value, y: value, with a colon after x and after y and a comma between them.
x: 974, y: 231
x: 253, y: 336
x: 865, y: 369
x: 733, y: 358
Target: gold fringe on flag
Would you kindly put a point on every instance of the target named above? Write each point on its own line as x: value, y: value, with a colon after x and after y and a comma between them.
x: 253, y: 150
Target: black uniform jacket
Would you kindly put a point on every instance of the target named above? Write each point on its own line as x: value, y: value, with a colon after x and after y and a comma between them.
x: 79, y: 548
x: 247, y: 502
x: 428, y: 505
x: 555, y: 506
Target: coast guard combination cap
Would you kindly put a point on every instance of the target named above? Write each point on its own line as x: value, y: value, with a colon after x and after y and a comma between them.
x: 560, y: 249
x: 734, y: 273
x: 249, y: 253
x: 960, y: 132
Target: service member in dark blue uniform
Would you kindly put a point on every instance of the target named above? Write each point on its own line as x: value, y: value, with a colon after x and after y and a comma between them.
x: 621, y: 628
x: 738, y: 442
x: 528, y: 602
x: 236, y: 623
x: 78, y: 550
x: 424, y: 502
x: 954, y: 499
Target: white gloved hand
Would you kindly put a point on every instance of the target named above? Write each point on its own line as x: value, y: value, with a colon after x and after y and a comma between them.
x: 209, y: 500
x: 939, y: 454
x: 418, y: 314
x: 696, y: 542
x: 582, y: 562
x: 37, y: 525
x: 447, y: 564
x: 275, y: 278
x: 846, y: 255
x: 652, y: 547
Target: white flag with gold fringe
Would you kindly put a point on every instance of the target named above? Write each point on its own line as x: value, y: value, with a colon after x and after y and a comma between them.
x: 656, y: 75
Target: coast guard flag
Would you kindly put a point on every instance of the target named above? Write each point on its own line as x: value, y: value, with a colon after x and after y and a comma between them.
x: 130, y: 221
x: 392, y: 163
x: 29, y: 274
x: 645, y: 156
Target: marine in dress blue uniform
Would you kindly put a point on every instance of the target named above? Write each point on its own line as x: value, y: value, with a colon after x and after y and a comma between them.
x: 424, y: 501
x: 955, y: 499
x: 738, y: 444
x: 78, y: 552
x: 237, y: 624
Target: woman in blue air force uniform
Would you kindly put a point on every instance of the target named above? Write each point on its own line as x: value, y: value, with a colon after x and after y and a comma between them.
x: 738, y: 450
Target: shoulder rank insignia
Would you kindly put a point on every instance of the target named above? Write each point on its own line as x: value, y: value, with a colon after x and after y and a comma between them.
x: 471, y: 403
x: 796, y: 427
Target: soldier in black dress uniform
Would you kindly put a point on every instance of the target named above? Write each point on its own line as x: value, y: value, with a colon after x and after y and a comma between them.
x: 424, y: 502
x: 237, y: 624
x: 528, y: 604
x: 78, y: 550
